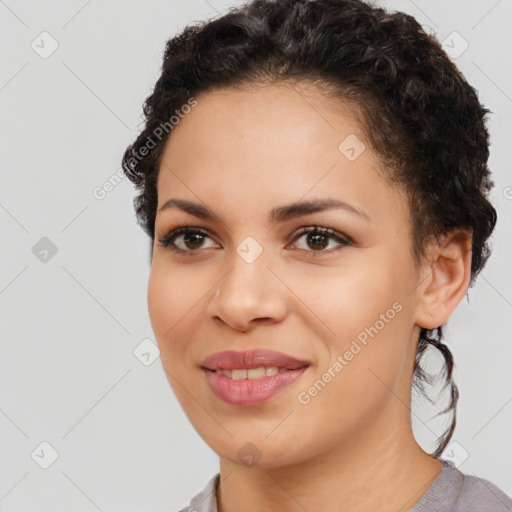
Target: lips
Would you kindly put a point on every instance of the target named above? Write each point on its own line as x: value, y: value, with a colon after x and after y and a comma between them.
x: 229, y: 375
x: 235, y: 360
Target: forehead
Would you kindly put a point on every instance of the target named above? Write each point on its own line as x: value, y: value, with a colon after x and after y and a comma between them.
x: 269, y: 145
x: 265, y: 123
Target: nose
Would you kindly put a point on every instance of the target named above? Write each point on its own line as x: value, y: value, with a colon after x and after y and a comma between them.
x: 248, y: 295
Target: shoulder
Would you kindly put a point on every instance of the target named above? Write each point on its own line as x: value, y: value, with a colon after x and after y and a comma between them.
x: 479, y: 494
x: 206, y: 500
x: 454, y: 491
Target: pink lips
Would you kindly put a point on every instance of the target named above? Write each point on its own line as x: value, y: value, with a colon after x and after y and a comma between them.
x: 247, y: 392
x: 232, y: 360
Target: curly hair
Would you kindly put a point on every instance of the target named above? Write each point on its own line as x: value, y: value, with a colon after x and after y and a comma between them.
x: 418, y: 113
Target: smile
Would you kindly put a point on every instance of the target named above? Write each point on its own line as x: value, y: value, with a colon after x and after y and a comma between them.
x: 250, y: 373
x: 250, y: 377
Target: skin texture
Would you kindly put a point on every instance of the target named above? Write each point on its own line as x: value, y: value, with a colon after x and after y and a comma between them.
x: 242, y: 153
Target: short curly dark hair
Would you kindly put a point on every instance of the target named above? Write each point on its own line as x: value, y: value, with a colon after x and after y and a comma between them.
x: 419, y: 114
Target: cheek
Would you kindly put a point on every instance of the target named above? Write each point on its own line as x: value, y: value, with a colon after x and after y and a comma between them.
x: 350, y: 300
x: 176, y: 299
x: 367, y: 328
x: 171, y: 311
x: 169, y: 301
x: 160, y: 303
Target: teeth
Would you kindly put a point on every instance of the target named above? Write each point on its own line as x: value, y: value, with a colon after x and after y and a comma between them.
x: 251, y: 373
x: 256, y: 373
x: 238, y: 374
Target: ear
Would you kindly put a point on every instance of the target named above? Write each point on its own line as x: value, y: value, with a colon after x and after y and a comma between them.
x: 445, y: 278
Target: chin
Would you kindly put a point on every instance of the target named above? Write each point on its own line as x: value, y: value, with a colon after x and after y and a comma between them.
x: 262, y: 454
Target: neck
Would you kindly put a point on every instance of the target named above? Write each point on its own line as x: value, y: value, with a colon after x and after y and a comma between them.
x: 380, y: 468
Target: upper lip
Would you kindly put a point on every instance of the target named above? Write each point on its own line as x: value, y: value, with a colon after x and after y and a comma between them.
x: 235, y: 360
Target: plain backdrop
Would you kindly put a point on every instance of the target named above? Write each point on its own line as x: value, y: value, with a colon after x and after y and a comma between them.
x: 77, y: 393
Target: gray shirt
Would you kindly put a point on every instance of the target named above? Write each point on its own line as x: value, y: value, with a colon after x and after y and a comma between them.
x: 451, y: 491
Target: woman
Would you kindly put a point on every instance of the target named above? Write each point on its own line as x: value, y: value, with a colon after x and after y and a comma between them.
x: 313, y: 178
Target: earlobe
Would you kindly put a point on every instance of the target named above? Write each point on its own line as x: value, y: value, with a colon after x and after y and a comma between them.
x: 445, y: 278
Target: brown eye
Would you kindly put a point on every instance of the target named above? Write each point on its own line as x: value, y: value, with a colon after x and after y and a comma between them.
x: 318, y: 239
x: 185, y: 239
x: 193, y: 240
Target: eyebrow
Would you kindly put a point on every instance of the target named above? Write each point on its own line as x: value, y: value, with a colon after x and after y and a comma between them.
x: 278, y: 214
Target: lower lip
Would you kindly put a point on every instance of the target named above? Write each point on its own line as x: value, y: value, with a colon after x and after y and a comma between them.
x: 247, y: 392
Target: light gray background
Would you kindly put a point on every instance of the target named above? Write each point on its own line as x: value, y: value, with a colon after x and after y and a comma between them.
x: 68, y: 374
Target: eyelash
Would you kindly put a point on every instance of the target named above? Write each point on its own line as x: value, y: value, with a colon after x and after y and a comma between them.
x: 169, y: 240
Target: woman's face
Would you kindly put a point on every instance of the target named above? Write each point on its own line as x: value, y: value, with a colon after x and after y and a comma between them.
x: 343, y: 304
